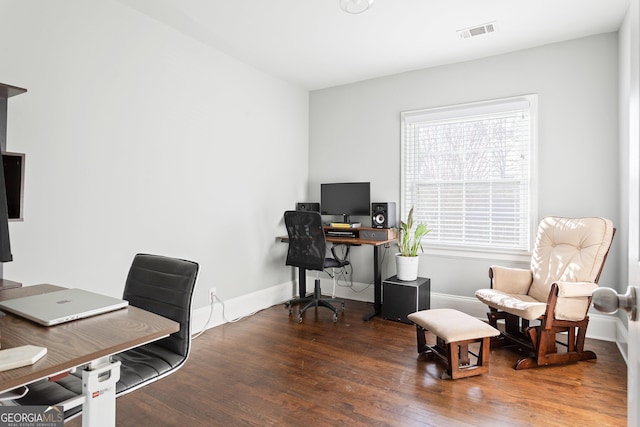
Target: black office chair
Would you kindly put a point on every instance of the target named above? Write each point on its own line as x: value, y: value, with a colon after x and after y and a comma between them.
x: 158, y: 284
x: 307, y: 251
x: 163, y: 286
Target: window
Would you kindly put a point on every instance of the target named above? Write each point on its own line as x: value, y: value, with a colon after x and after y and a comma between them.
x: 467, y: 171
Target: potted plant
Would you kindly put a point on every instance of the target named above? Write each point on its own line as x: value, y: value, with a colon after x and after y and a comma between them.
x: 409, y: 241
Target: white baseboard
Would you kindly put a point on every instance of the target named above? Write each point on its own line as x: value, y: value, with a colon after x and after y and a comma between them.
x: 602, y: 327
x: 236, y: 308
x: 622, y: 335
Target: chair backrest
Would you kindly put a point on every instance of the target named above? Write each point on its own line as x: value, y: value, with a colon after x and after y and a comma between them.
x: 164, y: 286
x: 569, y: 250
x: 307, y: 245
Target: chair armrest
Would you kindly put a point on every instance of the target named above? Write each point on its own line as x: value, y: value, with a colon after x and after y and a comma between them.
x: 510, y: 280
x: 575, y: 289
x: 568, y: 301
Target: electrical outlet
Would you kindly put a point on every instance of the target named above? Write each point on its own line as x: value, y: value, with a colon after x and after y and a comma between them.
x: 212, y: 294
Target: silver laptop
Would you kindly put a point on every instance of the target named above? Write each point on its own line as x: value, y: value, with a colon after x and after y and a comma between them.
x: 62, y: 306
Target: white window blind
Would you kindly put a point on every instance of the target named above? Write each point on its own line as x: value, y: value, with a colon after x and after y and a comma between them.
x: 467, y: 171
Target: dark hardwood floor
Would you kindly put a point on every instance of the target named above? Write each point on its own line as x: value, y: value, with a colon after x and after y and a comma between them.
x: 267, y: 370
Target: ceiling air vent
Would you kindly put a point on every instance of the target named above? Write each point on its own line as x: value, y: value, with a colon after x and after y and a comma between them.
x: 477, y: 30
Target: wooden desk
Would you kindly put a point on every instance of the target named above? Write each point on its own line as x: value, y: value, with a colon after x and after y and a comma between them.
x: 75, y: 343
x: 377, y: 263
x: 9, y: 284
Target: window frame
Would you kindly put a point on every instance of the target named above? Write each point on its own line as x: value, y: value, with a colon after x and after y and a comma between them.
x: 466, y: 110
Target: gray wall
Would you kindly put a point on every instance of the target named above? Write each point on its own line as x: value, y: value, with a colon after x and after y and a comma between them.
x: 140, y: 139
x: 355, y: 135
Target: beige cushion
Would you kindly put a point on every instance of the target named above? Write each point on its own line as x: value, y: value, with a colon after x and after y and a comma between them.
x: 573, y: 300
x: 571, y: 308
x: 511, y: 280
x: 568, y: 250
x: 575, y: 289
x: 519, y: 305
x: 567, y: 308
x: 452, y: 325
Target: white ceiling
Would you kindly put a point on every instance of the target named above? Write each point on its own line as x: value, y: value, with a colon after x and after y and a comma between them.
x: 314, y: 45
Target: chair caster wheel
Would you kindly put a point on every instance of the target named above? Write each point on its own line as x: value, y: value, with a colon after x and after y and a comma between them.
x: 335, y: 317
x: 299, y: 318
x: 343, y: 307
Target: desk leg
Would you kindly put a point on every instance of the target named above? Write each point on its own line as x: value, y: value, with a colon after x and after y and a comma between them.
x: 99, y: 388
x: 377, y: 284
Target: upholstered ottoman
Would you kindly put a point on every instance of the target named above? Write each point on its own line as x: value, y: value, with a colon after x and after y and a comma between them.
x: 454, y: 332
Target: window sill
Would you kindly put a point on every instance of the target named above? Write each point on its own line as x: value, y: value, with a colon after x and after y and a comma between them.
x: 480, y: 254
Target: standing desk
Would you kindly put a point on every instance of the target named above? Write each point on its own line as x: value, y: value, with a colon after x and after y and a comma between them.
x: 86, y: 343
x: 377, y: 265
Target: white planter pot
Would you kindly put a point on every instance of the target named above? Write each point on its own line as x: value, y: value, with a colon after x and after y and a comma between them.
x: 407, y: 267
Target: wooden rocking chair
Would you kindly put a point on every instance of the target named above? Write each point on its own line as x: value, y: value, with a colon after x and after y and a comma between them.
x: 566, y: 263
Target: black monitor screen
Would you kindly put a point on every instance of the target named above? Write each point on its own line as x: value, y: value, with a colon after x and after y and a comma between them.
x: 347, y: 198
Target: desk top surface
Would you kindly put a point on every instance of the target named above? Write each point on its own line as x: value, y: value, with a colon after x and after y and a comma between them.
x: 78, y: 342
x: 358, y: 241
x: 348, y: 240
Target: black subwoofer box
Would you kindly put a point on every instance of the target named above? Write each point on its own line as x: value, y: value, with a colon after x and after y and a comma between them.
x: 400, y: 298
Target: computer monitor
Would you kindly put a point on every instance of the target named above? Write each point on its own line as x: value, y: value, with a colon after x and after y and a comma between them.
x: 346, y: 199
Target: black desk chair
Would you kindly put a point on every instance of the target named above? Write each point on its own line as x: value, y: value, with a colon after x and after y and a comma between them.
x: 158, y: 284
x: 307, y: 251
x: 163, y: 286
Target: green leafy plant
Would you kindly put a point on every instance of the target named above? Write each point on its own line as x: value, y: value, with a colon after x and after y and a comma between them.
x: 410, y: 238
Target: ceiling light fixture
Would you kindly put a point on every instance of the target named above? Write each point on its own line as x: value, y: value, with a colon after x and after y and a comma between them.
x: 355, y: 6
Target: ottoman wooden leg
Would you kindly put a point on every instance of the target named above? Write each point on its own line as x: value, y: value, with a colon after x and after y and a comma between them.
x: 483, y: 355
x: 453, y: 352
x: 459, y: 363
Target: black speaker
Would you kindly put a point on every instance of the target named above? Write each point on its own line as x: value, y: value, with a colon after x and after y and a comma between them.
x: 383, y: 215
x: 400, y: 298
x: 308, y: 206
